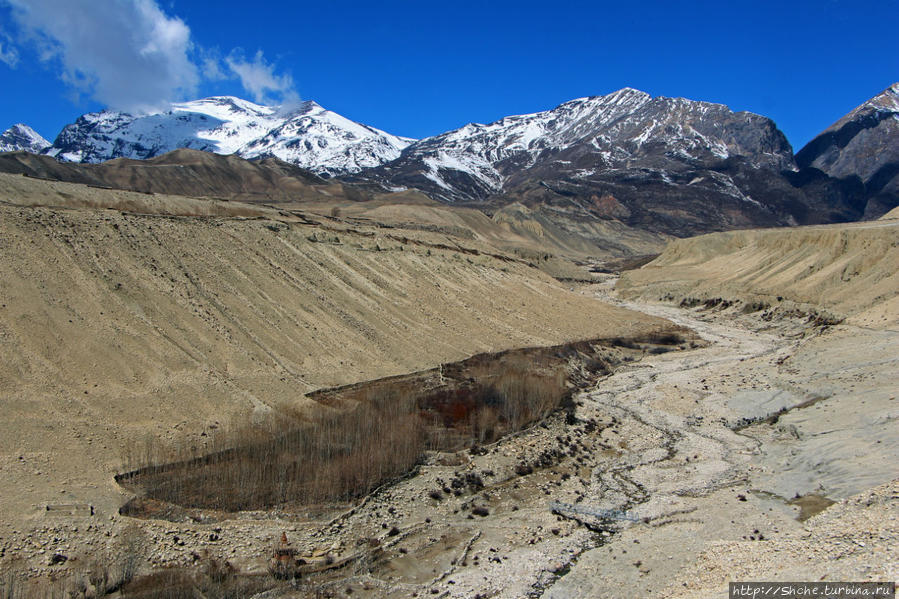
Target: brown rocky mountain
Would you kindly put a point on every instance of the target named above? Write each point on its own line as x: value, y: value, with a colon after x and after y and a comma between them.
x: 188, y: 172
x: 198, y: 174
x: 862, y: 149
x: 605, y: 175
x: 667, y: 165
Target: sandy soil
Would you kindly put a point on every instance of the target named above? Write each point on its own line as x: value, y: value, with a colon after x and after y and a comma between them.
x: 680, y: 473
x: 117, y: 326
x: 848, y: 270
x: 837, y: 447
x: 693, y: 485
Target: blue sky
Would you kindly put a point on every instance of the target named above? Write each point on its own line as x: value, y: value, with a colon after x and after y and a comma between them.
x: 419, y: 68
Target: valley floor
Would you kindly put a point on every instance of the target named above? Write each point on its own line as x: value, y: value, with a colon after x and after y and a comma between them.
x: 723, y: 507
x: 684, y: 471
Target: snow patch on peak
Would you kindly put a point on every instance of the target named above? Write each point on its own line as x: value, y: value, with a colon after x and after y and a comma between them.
x: 472, y: 164
x: 222, y: 106
x: 326, y: 142
x: 627, y: 94
x: 583, y: 138
x: 886, y: 101
x: 889, y: 99
x: 21, y: 137
x: 305, y: 134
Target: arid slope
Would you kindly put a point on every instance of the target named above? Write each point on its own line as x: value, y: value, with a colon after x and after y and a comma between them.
x: 848, y: 270
x: 269, y: 181
x: 118, y: 325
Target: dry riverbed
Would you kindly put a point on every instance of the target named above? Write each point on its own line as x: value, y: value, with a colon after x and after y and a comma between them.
x: 733, y: 484
x: 681, y: 471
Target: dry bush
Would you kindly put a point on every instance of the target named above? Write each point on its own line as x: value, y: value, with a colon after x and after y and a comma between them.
x: 512, y: 394
x: 329, y: 455
x: 17, y: 585
x: 528, y: 397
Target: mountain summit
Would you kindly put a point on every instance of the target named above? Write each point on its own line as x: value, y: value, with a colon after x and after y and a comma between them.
x: 583, y: 137
x: 307, y: 135
x: 22, y: 137
x: 863, y: 145
x: 668, y: 165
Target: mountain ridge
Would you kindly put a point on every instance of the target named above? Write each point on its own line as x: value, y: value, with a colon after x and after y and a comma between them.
x: 517, y: 141
x: 673, y: 166
x: 669, y: 165
x: 22, y: 137
x: 306, y: 135
x: 863, y: 145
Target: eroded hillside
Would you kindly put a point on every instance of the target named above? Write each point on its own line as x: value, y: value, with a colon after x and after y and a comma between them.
x: 117, y: 325
x: 846, y: 270
x: 188, y: 326
x: 269, y: 181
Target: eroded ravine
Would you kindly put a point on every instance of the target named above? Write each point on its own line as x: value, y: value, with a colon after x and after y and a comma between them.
x: 655, y: 464
x: 746, y: 412
x: 661, y: 452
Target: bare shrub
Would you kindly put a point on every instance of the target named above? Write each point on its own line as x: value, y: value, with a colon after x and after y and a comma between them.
x: 331, y: 453
x: 17, y: 584
x: 98, y: 576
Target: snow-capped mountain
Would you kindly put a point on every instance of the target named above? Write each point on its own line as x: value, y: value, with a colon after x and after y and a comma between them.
x: 307, y: 135
x: 22, y: 137
x: 312, y: 136
x: 864, y: 144
x: 582, y: 137
x: 669, y: 165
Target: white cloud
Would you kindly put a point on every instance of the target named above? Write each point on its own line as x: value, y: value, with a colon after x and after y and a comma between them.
x: 127, y: 54
x: 258, y: 77
x: 8, y: 55
x: 130, y: 55
x: 212, y: 71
